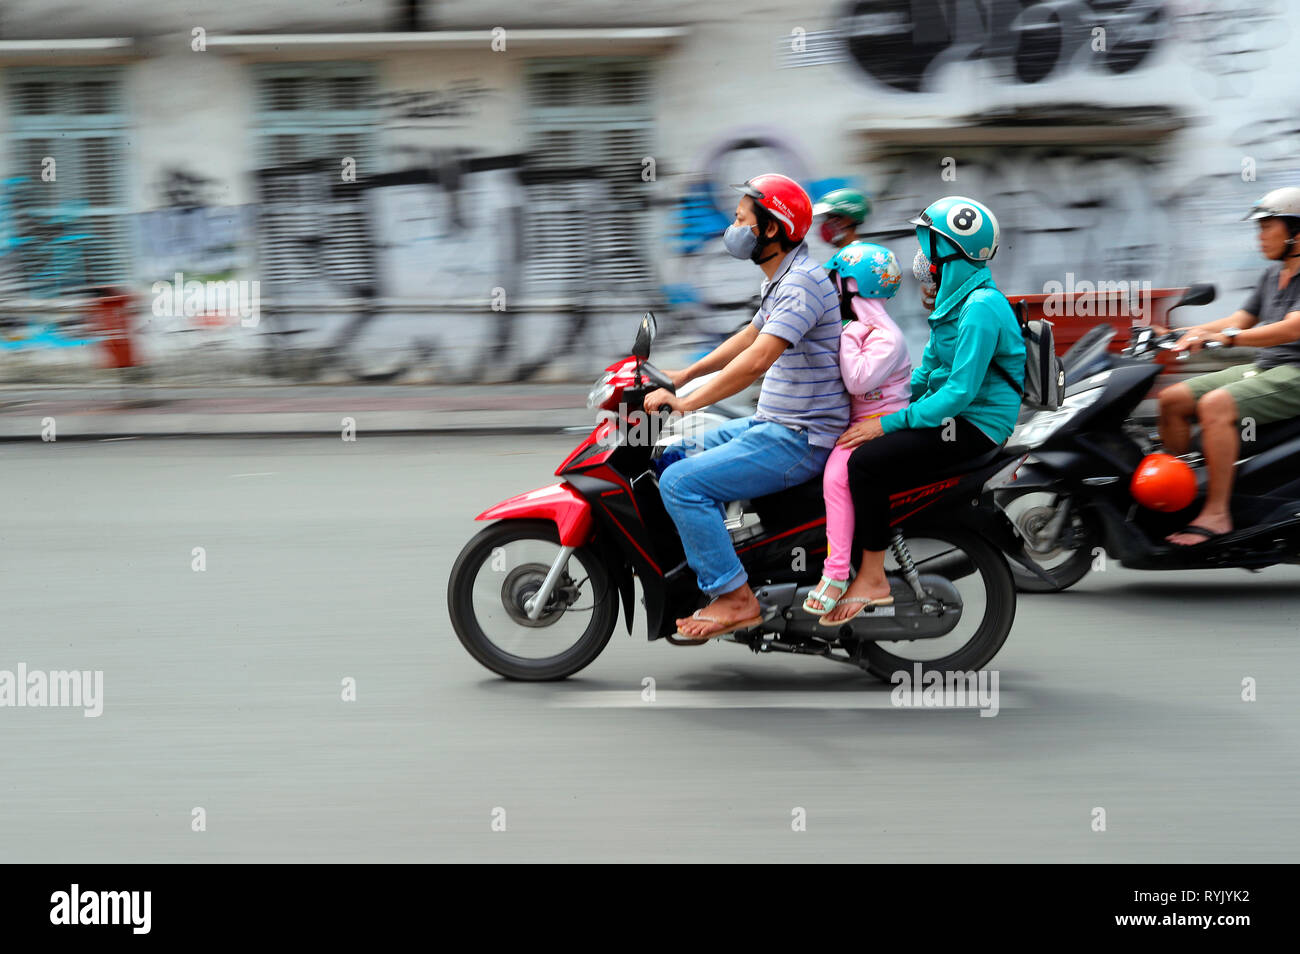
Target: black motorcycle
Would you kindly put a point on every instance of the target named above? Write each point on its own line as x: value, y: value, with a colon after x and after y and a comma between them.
x: 1071, y: 500
x: 535, y: 596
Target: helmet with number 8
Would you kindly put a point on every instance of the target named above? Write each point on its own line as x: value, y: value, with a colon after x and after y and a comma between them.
x: 968, y: 224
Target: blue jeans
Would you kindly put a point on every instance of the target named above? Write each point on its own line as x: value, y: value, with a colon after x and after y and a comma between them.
x: 734, y: 461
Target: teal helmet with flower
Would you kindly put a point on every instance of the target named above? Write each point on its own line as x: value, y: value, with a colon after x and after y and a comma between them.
x: 873, y: 268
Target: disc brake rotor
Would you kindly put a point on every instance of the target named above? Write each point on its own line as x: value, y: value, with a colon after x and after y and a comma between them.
x: 523, y: 582
x: 1032, y: 523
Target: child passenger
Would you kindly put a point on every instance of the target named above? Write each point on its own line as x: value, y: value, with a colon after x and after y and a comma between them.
x: 877, y: 374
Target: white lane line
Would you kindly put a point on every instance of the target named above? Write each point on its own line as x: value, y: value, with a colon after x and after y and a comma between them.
x: 714, y: 699
x: 265, y: 473
x: 110, y: 440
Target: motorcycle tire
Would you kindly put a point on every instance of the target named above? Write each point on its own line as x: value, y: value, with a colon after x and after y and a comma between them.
x: 460, y: 605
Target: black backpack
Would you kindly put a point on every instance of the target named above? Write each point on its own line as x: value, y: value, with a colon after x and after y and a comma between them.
x: 1044, y: 374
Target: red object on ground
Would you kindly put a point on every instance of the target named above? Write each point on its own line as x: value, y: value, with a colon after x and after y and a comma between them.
x: 1074, y: 312
x: 1163, y: 482
x: 112, y: 322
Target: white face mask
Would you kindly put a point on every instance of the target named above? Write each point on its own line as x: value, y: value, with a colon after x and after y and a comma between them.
x: 921, y: 269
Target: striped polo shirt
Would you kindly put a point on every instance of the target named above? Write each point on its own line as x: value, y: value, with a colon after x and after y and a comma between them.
x: 803, y: 389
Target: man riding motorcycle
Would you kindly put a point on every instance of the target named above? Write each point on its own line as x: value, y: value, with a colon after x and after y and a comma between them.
x: 802, y: 407
x: 1267, y: 390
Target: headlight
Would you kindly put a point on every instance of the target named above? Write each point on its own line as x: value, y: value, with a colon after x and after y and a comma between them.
x: 601, y: 392
x: 1046, y: 423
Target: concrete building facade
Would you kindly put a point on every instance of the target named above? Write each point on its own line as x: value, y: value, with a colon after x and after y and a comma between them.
x: 459, y: 191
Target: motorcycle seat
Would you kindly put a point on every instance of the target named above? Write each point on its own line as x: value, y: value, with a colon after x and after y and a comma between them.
x: 969, y: 464
x: 1271, y: 435
x: 1267, y: 436
x: 805, y: 502
x: 792, y: 506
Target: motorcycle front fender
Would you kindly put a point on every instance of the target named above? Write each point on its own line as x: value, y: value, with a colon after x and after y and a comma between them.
x: 558, y: 503
x: 990, y: 522
x: 1045, y: 470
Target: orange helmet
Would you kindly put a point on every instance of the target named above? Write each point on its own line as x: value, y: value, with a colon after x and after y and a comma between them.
x: 1163, y: 482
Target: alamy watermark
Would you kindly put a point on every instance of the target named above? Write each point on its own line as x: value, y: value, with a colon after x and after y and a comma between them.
x: 190, y: 299
x: 637, y: 428
x: 1100, y: 299
x: 57, y: 688
x: 946, y: 690
x: 78, y: 906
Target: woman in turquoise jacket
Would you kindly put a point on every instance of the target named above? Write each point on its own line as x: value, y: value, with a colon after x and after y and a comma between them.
x: 965, y: 392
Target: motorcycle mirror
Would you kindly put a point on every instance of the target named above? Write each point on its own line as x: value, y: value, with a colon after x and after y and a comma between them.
x: 1199, y: 294
x: 645, y: 336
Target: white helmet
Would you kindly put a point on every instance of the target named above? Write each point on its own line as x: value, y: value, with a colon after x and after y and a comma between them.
x: 1279, y: 202
x: 1283, y: 204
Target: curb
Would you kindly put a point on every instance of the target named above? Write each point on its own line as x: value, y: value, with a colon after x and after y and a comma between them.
x: 72, y: 427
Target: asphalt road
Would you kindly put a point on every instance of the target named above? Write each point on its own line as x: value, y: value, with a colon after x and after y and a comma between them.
x: 328, y: 560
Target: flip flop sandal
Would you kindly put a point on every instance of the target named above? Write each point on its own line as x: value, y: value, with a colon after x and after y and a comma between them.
x: 878, y: 601
x: 1200, y: 532
x: 731, y: 627
x: 819, y: 595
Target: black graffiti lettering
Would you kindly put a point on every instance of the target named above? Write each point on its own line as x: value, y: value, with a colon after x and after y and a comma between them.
x: 905, y: 43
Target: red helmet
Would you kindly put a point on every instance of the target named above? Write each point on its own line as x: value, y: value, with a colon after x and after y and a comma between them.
x: 784, y: 199
x: 1163, y: 482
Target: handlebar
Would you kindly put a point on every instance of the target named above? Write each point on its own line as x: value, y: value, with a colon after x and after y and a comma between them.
x: 1184, y: 355
x: 1144, y: 342
x: 657, y: 377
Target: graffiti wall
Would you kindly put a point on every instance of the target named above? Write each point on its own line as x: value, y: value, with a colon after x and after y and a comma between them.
x: 429, y: 263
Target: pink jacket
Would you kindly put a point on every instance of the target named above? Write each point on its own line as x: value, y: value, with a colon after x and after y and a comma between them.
x: 874, y: 364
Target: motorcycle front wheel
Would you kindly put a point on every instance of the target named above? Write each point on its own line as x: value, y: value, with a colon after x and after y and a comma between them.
x: 1031, y: 511
x: 498, y: 571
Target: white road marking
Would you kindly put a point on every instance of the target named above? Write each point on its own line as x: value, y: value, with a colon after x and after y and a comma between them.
x: 717, y: 699
x: 265, y: 473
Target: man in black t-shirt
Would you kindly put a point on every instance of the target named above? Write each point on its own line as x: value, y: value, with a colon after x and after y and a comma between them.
x: 1268, y: 390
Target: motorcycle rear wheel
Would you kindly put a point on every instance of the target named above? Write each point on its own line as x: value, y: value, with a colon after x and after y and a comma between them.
x: 883, y: 659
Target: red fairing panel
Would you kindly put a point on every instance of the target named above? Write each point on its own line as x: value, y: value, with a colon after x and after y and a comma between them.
x: 598, y: 434
x: 558, y: 503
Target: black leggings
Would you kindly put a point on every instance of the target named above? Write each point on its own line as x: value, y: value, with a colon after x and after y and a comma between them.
x: 899, y: 461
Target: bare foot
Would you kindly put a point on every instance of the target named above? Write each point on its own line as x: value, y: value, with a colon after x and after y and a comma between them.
x: 863, y: 588
x: 1216, y: 522
x: 730, y: 608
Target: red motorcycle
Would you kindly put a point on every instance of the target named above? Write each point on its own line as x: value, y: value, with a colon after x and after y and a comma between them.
x: 535, y: 596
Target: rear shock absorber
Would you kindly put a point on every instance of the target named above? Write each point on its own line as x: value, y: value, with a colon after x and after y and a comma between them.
x: 898, y: 546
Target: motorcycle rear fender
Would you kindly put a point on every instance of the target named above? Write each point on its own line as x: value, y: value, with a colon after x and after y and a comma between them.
x: 558, y: 503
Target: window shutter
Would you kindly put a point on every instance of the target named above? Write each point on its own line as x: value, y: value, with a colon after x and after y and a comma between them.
x: 313, y: 238
x: 71, y: 233
x: 591, y: 126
